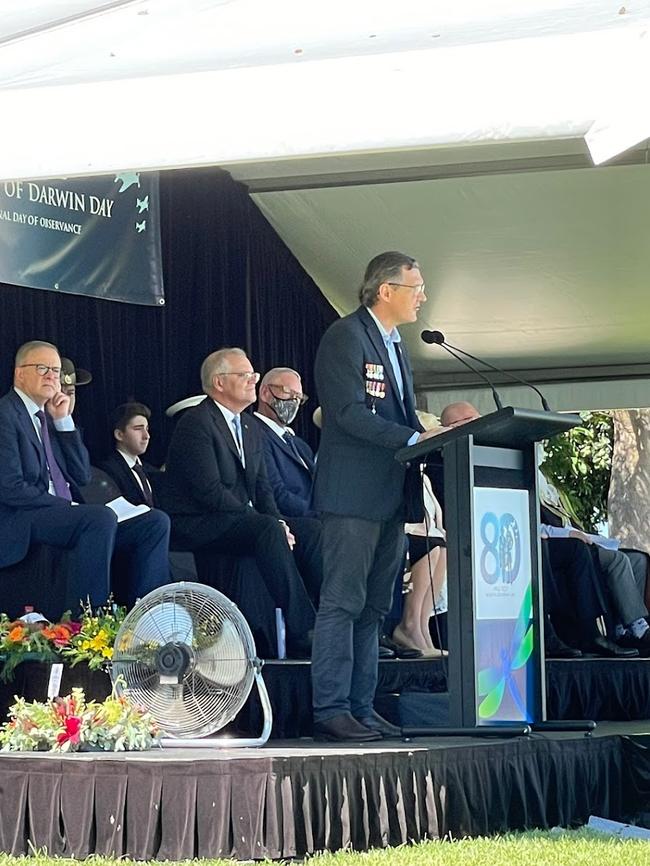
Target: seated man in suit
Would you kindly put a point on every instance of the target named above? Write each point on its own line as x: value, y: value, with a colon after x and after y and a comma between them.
x: 130, y: 425
x: 218, y: 494
x: 43, y: 462
x: 289, y: 460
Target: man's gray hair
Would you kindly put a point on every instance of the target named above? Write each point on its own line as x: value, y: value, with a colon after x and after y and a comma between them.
x: 218, y: 362
x: 26, y: 348
x: 384, y: 268
x: 277, y: 371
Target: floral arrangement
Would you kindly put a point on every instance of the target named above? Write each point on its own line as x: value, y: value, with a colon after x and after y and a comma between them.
x: 72, y: 724
x: 94, y: 640
x: 26, y: 641
x: 89, y: 640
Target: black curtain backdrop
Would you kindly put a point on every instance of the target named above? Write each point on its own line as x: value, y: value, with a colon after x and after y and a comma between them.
x: 229, y: 281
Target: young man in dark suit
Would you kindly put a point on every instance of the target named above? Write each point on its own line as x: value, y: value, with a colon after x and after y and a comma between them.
x: 289, y: 460
x: 218, y: 494
x: 43, y: 463
x: 130, y: 425
x: 365, y: 387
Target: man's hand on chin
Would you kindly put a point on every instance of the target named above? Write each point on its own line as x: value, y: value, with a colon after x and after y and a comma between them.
x: 58, y: 406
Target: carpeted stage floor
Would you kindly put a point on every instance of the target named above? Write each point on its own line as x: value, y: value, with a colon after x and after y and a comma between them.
x: 298, y: 796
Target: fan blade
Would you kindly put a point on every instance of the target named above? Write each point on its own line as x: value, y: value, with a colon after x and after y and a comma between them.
x: 164, y: 623
x: 224, y: 662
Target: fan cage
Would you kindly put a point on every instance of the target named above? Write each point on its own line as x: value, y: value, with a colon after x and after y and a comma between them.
x: 203, y: 631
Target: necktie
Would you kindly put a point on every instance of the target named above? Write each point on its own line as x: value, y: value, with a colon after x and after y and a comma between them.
x: 144, y: 481
x: 392, y: 350
x: 58, y: 481
x: 289, y: 439
x: 236, y: 423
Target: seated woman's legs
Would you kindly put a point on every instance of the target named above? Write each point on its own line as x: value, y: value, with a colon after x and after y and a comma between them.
x: 428, y: 575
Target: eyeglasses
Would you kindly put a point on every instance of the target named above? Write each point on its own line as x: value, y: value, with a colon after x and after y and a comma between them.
x: 249, y: 377
x: 416, y: 290
x: 287, y: 394
x: 44, y: 369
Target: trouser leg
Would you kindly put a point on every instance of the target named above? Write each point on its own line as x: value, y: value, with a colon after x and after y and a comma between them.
x: 574, y: 589
x: 388, y: 557
x: 88, y: 533
x: 308, y: 552
x: 141, y: 561
x: 360, y: 559
x: 264, y: 538
x: 621, y: 584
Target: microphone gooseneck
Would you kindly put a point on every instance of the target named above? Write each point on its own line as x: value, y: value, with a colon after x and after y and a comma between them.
x: 510, y: 376
x: 438, y: 338
x: 433, y: 337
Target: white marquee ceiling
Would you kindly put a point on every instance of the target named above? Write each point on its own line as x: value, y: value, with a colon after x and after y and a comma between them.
x: 451, y: 129
x: 529, y: 269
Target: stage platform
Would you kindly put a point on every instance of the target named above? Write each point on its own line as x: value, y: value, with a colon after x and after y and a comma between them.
x: 299, y: 797
x: 412, y: 693
x: 409, y: 693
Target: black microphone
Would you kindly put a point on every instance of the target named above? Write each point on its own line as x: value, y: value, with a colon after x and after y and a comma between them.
x: 438, y: 338
x: 432, y: 337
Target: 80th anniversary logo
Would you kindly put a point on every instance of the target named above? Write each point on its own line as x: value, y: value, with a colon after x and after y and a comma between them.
x: 500, y: 555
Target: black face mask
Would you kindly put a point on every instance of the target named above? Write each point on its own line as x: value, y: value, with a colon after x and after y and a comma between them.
x: 286, y: 410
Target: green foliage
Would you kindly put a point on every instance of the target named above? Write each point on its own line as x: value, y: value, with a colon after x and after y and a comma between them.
x: 579, y: 464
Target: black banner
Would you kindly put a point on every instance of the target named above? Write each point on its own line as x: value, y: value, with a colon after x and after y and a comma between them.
x: 97, y: 236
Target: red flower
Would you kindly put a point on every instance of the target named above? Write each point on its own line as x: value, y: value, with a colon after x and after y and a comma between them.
x: 72, y: 731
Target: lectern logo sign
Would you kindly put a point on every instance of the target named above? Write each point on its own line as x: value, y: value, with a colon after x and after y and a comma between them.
x: 500, y: 555
x: 501, y: 551
x: 503, y: 622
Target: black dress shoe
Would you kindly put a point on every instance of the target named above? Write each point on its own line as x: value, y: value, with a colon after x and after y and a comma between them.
x: 603, y: 646
x: 376, y: 723
x: 641, y: 644
x: 401, y: 652
x: 385, y: 653
x: 344, y: 728
x: 554, y: 648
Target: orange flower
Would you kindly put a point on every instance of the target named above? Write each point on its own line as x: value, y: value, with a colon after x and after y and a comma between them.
x: 58, y: 634
x: 16, y: 634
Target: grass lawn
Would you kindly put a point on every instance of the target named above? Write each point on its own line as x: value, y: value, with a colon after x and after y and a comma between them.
x: 570, y: 848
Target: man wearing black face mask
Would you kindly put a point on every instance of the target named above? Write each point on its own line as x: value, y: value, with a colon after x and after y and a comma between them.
x: 289, y: 459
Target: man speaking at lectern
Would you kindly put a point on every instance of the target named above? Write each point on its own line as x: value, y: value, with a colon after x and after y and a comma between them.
x: 365, y: 387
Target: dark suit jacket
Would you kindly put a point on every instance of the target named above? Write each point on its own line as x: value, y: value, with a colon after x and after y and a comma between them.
x: 24, y: 479
x: 204, y: 475
x: 291, y: 481
x: 357, y: 474
x: 117, y: 468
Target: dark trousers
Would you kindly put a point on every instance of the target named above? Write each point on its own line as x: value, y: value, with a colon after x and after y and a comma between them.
x: 623, y: 574
x: 91, y: 535
x: 141, y: 556
x: 262, y: 537
x: 360, y: 562
x: 572, y: 595
x: 308, y: 552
